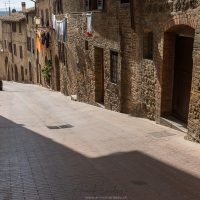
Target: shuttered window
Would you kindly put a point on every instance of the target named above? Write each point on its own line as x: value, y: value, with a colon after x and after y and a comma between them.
x: 148, y: 45
x: 20, y: 27
x: 14, y: 27
x: 15, y: 50
x: 21, y: 53
x: 93, y: 4
x: 42, y: 17
x: 33, y: 46
x: 47, y: 17
x: 100, y: 4
x: 28, y: 43
x: 10, y: 46
x: 87, y: 4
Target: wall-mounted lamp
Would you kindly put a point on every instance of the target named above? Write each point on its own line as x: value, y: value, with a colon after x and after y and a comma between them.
x: 37, y: 20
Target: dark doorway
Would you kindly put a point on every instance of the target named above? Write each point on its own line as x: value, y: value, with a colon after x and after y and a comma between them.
x: 22, y: 74
x: 6, y: 69
x: 16, y: 73
x: 40, y: 74
x: 182, y: 77
x: 37, y: 74
x: 57, y: 73
x: 30, y: 72
x: 99, y: 75
x: 12, y: 73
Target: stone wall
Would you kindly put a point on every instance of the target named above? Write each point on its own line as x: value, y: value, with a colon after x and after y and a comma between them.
x: 167, y: 19
x: 31, y: 55
x: 14, y: 63
x: 78, y: 74
x: 20, y: 40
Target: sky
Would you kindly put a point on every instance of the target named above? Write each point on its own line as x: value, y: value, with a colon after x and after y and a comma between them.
x: 14, y: 4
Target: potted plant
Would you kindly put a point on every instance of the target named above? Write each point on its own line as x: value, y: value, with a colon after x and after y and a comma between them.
x: 46, y: 71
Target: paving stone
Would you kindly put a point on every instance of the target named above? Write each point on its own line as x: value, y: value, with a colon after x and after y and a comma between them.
x: 112, y: 154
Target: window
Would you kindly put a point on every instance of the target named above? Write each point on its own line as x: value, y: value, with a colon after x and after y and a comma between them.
x: 47, y: 18
x: 20, y: 27
x: 93, y: 5
x: 33, y: 46
x: 148, y: 45
x: 10, y: 46
x: 42, y: 17
x: 57, y: 7
x: 15, y: 50
x: 125, y: 1
x: 21, y: 53
x: 33, y: 19
x: 27, y: 18
x: 13, y: 27
x: 114, y: 66
x: 86, y: 45
x: 5, y: 44
x: 29, y: 44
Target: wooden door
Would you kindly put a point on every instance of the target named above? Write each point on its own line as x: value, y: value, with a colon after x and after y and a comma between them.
x: 182, y: 77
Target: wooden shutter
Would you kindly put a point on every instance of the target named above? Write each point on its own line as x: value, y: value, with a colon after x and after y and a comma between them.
x: 100, y: 4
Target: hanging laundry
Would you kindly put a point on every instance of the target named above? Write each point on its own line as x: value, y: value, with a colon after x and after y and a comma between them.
x: 54, y: 21
x: 65, y: 30
x: 43, y: 38
x: 61, y: 30
x: 89, y: 24
x: 38, y: 44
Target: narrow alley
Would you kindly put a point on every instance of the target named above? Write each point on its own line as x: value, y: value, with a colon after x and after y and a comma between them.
x: 54, y: 148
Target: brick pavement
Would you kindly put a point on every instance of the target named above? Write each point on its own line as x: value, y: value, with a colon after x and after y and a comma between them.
x: 102, y: 155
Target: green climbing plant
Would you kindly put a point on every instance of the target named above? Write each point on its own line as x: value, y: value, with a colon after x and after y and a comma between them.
x: 46, y: 71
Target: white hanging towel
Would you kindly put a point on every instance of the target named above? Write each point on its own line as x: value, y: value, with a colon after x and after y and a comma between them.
x: 89, y: 24
x: 54, y: 21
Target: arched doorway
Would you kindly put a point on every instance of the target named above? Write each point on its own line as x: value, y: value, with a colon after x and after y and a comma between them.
x: 22, y: 74
x: 30, y: 72
x: 37, y: 74
x: 57, y: 73
x: 12, y: 73
x: 16, y: 73
x: 6, y: 68
x: 177, y: 72
x: 40, y: 74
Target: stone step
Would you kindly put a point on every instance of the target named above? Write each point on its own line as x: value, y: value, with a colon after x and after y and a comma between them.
x: 174, y: 123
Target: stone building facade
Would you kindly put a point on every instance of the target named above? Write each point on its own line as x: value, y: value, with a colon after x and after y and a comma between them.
x: 167, y: 61
x: 15, y: 58
x: 30, y: 49
x: 14, y: 42
x: 141, y: 57
x: 133, y: 60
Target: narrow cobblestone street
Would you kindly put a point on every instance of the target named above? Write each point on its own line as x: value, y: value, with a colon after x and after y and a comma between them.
x: 55, y: 148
